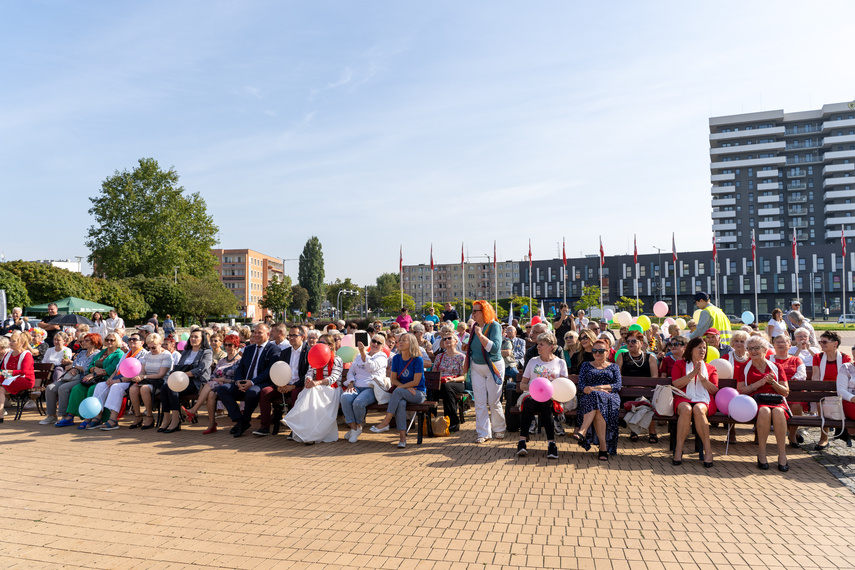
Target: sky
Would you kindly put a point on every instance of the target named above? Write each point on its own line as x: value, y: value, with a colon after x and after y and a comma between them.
x: 384, y: 125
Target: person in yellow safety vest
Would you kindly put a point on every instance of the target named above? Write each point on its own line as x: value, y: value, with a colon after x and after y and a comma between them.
x: 711, y: 318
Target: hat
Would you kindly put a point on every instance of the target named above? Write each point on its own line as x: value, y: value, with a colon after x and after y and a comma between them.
x: 712, y: 331
x: 701, y: 296
x: 796, y: 302
x: 147, y: 328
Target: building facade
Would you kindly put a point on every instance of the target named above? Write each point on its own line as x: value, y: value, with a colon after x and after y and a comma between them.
x: 481, y: 281
x: 246, y: 273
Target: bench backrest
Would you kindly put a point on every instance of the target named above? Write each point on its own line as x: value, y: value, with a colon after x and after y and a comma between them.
x: 432, y: 380
x: 800, y: 390
x: 634, y: 387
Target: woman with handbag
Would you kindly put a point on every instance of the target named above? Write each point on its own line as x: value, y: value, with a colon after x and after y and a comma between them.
x: 699, y: 381
x: 101, y: 368
x: 224, y: 372
x: 826, y: 365
x: 450, y: 364
x: 544, y: 365
x: 58, y: 393
x: 766, y: 382
x: 196, y: 360
x: 407, y: 376
x: 487, y: 371
x: 638, y: 363
x: 599, y: 401
x: 794, y: 369
x: 846, y: 392
x: 368, y: 368
x: 17, y: 366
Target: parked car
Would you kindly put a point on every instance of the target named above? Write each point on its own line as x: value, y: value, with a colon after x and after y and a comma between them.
x: 734, y: 320
x: 764, y: 317
x: 846, y: 319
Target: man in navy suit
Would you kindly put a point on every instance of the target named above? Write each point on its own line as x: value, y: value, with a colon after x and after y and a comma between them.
x: 251, y: 377
x: 297, y: 357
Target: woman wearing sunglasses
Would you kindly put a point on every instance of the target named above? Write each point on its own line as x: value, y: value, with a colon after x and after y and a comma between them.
x: 699, y: 381
x: 599, y: 401
x: 367, y: 367
x: 450, y: 365
x: 676, y: 346
x: 639, y: 364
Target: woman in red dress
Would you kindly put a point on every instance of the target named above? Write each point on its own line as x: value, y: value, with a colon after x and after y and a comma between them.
x: 794, y: 368
x: 764, y: 377
x: 738, y: 357
x: 700, y: 382
x: 17, y: 367
x: 825, y: 367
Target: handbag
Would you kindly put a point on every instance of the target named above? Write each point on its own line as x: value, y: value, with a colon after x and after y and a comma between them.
x: 831, y: 408
x: 439, y: 424
x: 381, y: 391
x: 663, y: 399
x: 769, y: 399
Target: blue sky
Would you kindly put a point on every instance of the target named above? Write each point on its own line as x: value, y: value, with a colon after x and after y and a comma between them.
x: 379, y: 124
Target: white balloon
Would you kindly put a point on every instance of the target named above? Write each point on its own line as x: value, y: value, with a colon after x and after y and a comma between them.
x: 280, y: 373
x: 624, y: 318
x: 178, y: 381
x: 563, y: 390
x: 723, y: 368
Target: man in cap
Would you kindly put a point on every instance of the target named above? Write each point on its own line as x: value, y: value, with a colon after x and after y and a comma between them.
x: 711, y: 317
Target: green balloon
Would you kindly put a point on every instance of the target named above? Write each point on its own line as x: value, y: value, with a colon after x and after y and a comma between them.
x: 347, y: 354
x: 636, y: 327
x: 621, y: 350
x: 185, y: 336
x: 456, y: 322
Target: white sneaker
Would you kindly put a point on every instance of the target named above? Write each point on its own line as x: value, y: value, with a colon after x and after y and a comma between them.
x: 499, y: 435
x: 355, y: 435
x: 402, y: 444
x: 348, y: 434
x: 48, y: 420
x: 375, y: 429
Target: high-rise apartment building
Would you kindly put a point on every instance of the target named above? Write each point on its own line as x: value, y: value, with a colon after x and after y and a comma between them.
x: 246, y: 273
x: 777, y: 172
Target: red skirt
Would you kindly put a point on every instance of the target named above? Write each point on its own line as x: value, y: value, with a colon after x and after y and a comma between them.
x: 18, y: 384
x: 849, y: 410
x: 711, y: 409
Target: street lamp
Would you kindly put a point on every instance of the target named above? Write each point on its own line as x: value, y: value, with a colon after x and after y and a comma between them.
x: 338, y: 298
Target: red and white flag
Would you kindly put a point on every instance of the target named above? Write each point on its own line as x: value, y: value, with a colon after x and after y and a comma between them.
x: 602, y: 252
x: 564, y: 254
x: 843, y: 242
x: 634, y: 250
x: 714, y: 249
x: 401, y: 261
x: 494, y: 255
x: 462, y: 259
x: 673, y: 248
x: 431, y: 257
x: 753, y: 248
x: 529, y: 253
x: 795, y: 246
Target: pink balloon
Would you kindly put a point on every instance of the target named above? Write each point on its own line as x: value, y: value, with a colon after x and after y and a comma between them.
x: 634, y: 320
x: 540, y: 389
x: 723, y: 398
x: 669, y: 321
x: 660, y: 309
x: 742, y: 408
x: 348, y: 340
x: 181, y: 344
x: 130, y: 367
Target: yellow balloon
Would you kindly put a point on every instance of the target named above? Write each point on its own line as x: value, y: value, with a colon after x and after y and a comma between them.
x: 712, y: 354
x: 697, y: 316
x: 681, y: 322
x: 644, y: 321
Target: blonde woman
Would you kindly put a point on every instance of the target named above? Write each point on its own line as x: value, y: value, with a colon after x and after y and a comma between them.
x: 407, y: 376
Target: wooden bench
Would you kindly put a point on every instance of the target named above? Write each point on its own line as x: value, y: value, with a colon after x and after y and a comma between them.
x: 424, y: 410
x: 43, y: 373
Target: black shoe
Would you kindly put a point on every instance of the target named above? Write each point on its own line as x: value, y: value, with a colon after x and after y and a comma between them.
x: 552, y: 451
x: 819, y: 447
x: 708, y: 465
x: 763, y: 466
x: 676, y: 461
x: 161, y: 429
x: 235, y: 428
x: 799, y: 438
x: 794, y: 445
x: 262, y: 431
x: 453, y: 428
x: 240, y: 431
x: 521, y: 450
x: 785, y: 467
x: 173, y: 430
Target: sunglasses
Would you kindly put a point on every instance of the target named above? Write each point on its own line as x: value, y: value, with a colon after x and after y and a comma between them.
x: 599, y: 351
x: 676, y: 344
x: 378, y: 342
x: 632, y: 341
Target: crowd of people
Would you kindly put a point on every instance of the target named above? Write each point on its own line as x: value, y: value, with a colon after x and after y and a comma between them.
x: 229, y: 373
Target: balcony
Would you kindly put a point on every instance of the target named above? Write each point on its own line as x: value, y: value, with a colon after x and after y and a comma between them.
x: 835, y: 234
x: 838, y: 181
x: 767, y: 173
x: 769, y: 211
x: 797, y: 225
x: 801, y: 236
x: 810, y: 159
x: 726, y: 239
x: 838, y: 139
x: 798, y: 199
x: 797, y: 211
x: 717, y: 202
x: 831, y: 221
x: 723, y: 189
x: 770, y: 237
x: 773, y: 224
x: 722, y: 177
x: 796, y: 145
x: 832, y: 194
x: 831, y: 168
x: 839, y: 154
x: 763, y: 186
x: 796, y: 186
x: 796, y: 173
x: 749, y: 162
x: 745, y: 134
x: 772, y: 198
x: 841, y: 124
x: 724, y: 214
x: 724, y: 227
x: 743, y: 148
x: 801, y: 130
x: 839, y: 208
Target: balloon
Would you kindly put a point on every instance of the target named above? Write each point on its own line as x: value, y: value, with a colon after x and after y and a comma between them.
x: 319, y: 355
x: 90, y: 408
x: 280, y: 373
x: 540, y: 389
x: 535, y: 320
x: 181, y: 345
x: 747, y: 317
x: 636, y: 327
x: 742, y: 408
x: 624, y: 319
x: 697, y: 316
x: 681, y: 322
x: 724, y: 396
x: 348, y: 340
x: 178, y: 381
x: 644, y: 321
x: 455, y: 323
x: 563, y: 390
x: 347, y: 354
x: 130, y: 367
x: 185, y: 336
x: 634, y: 320
x: 712, y: 354
x: 669, y: 321
x: 724, y: 370
x: 608, y: 314
x: 660, y: 309
x: 386, y: 350
x: 621, y: 351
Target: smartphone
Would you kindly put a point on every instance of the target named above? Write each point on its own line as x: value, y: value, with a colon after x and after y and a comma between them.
x: 361, y: 336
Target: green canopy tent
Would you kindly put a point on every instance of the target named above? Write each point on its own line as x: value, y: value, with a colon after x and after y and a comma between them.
x: 70, y: 305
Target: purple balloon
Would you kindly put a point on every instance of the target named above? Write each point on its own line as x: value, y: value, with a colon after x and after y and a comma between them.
x: 540, y: 389
x: 743, y: 408
x: 723, y: 398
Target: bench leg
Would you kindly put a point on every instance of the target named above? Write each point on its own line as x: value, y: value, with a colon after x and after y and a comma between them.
x: 672, y: 435
x: 421, y: 422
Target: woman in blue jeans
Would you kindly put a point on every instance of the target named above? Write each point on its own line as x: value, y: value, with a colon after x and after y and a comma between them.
x: 367, y: 366
x: 407, y: 375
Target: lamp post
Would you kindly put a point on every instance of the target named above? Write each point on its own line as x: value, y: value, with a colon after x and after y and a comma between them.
x: 338, y: 299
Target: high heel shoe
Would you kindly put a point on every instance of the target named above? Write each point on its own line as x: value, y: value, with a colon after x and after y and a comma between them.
x: 191, y: 416
x: 763, y: 466
x: 137, y: 423
x: 676, y: 461
x: 211, y: 429
x: 708, y: 465
x: 173, y: 430
x: 147, y: 426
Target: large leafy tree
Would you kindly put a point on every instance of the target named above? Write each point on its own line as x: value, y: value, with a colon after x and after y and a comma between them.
x: 299, y: 299
x: 348, y: 301
x: 387, y: 284
x: 590, y: 298
x: 162, y: 295
x: 16, y: 290
x: 207, y: 296
x: 46, y: 283
x: 277, y: 295
x: 146, y: 224
x: 119, y: 295
x: 311, y: 273
x: 392, y: 302
x: 628, y: 304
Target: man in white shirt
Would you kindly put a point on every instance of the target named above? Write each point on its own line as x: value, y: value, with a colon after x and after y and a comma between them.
x: 114, y: 322
x: 278, y: 335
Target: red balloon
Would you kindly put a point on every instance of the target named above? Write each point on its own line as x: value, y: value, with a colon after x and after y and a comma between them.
x: 319, y: 355
x: 535, y: 320
x: 387, y: 351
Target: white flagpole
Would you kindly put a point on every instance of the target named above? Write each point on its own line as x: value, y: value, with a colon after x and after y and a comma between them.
x: 530, y: 305
x: 564, y: 279
x: 715, y: 272
x: 796, y: 261
x: 754, y: 264
x: 431, y: 287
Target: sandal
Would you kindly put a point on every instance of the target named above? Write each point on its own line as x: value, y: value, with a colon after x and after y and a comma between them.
x: 603, y: 456
x: 148, y: 426
x: 633, y: 436
x: 578, y: 437
x: 653, y: 438
x: 110, y: 425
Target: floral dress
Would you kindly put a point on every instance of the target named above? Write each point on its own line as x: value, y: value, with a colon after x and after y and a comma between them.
x: 608, y: 403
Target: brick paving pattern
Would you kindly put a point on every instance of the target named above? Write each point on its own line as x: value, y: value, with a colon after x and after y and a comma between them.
x: 131, y: 499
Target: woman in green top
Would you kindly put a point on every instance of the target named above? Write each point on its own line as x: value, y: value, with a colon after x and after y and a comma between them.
x: 486, y: 369
x: 102, y: 367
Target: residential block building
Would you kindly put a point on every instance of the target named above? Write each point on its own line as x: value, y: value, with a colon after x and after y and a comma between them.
x: 246, y: 273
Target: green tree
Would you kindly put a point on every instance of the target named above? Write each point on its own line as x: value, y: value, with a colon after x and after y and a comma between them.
x: 46, y: 283
x: 208, y: 296
x: 311, y: 273
x: 122, y: 297
x: 520, y: 302
x: 392, y: 303
x: 628, y: 304
x: 299, y: 299
x: 386, y: 284
x: 438, y: 309
x: 146, y: 224
x: 349, y: 301
x: 16, y: 290
x: 277, y: 295
x: 590, y: 298
x: 162, y: 295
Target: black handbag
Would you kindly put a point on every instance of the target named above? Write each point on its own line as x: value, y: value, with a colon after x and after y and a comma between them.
x: 769, y: 399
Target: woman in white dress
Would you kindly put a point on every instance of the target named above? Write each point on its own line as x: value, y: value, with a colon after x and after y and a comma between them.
x: 314, y: 416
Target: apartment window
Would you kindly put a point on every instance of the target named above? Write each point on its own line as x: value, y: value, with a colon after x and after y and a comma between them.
x: 767, y: 266
x: 701, y: 268
x: 820, y: 264
x: 784, y: 265
x: 751, y: 195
